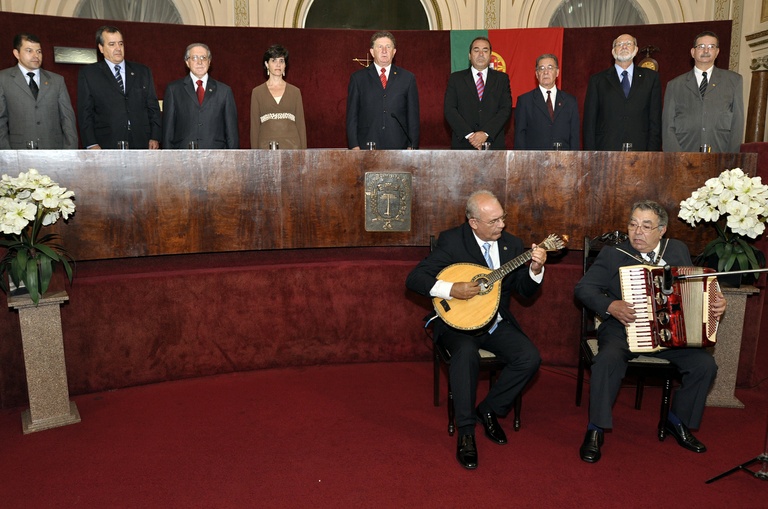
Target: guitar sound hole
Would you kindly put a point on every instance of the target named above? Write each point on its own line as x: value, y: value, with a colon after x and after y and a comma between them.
x: 485, y: 286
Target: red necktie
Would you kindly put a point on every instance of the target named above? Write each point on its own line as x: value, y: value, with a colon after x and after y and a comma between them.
x: 549, y: 106
x: 383, y: 77
x: 200, y: 91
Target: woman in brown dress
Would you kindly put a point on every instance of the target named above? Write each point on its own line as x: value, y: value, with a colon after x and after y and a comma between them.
x: 277, y: 112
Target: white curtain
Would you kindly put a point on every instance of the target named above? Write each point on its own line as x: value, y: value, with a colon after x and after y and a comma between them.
x: 597, y: 13
x: 156, y: 11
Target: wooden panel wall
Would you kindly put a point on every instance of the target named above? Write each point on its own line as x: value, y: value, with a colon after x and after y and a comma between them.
x: 141, y: 203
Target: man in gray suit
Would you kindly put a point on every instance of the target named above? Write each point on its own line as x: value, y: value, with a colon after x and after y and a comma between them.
x: 704, y: 106
x: 199, y: 111
x: 34, y: 103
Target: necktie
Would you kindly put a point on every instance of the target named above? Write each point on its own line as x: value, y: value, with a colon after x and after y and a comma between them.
x: 650, y: 257
x: 625, y: 83
x: 119, y: 79
x: 32, y: 84
x: 480, y: 86
x: 549, y: 106
x: 200, y: 91
x: 487, y: 254
x: 489, y: 262
x: 383, y: 78
x: 703, y: 84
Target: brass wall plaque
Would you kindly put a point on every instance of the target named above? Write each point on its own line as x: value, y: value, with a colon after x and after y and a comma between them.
x: 65, y: 55
x: 388, y: 198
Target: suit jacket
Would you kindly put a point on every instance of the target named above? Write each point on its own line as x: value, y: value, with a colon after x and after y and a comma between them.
x: 610, y: 119
x: 213, y: 124
x: 601, y: 285
x: 716, y: 120
x: 107, y: 116
x: 458, y: 245
x: 370, y: 108
x: 535, y: 130
x: 49, y: 119
x: 466, y: 113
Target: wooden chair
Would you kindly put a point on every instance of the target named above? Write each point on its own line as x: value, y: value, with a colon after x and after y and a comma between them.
x: 642, y: 366
x: 488, y: 362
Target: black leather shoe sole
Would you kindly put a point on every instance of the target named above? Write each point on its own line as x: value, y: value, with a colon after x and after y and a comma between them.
x: 590, y: 448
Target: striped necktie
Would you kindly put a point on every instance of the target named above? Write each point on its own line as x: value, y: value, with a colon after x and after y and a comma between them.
x: 383, y: 78
x: 489, y: 262
x: 119, y: 79
x: 703, y: 84
x: 480, y: 86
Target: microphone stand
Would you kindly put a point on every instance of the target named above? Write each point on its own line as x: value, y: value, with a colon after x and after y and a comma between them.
x: 760, y: 458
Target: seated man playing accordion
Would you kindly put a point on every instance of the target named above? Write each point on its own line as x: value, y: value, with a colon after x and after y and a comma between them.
x: 600, y: 291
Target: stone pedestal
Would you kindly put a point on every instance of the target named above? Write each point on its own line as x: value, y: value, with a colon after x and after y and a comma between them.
x: 728, y: 347
x: 42, y: 339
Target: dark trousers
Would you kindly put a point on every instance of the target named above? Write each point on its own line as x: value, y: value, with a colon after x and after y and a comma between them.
x: 696, y: 365
x: 509, y: 344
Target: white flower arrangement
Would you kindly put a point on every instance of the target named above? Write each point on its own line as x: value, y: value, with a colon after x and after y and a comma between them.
x: 27, y: 203
x: 741, y: 202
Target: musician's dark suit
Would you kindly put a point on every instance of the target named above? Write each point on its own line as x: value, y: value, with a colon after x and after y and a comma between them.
x: 508, y: 341
x: 370, y: 108
x: 213, y: 124
x: 597, y: 289
x: 535, y: 130
x: 466, y: 113
x: 104, y: 112
x: 610, y: 119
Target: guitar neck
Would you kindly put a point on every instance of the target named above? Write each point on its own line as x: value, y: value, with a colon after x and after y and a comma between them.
x: 508, y: 267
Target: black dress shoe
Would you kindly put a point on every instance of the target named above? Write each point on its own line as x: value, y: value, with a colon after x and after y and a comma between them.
x: 492, y: 427
x: 590, y: 449
x: 466, y: 451
x: 684, y: 437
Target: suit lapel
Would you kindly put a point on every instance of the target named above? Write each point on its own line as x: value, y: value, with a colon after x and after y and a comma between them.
x: 21, y: 80
x: 111, y: 77
x: 189, y: 88
x: 45, y: 85
x: 471, y: 246
x: 690, y: 83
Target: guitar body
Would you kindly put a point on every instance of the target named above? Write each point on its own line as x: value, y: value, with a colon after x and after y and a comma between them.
x: 474, y: 313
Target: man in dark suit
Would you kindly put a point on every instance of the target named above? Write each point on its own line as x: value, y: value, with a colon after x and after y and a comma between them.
x: 546, y: 116
x: 483, y: 241
x: 704, y: 106
x: 383, y: 101
x: 600, y: 291
x: 478, y: 101
x: 116, y: 99
x: 623, y: 103
x: 197, y: 109
x: 34, y: 103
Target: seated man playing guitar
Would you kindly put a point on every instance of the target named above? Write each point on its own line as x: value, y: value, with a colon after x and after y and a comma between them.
x: 482, y: 241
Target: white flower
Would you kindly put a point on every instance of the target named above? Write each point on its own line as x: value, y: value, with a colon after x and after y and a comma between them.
x: 742, y: 199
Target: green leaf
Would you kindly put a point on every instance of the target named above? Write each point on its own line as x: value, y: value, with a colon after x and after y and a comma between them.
x: 46, y: 271
x: 31, y: 280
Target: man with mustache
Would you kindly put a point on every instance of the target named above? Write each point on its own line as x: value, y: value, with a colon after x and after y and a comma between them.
x: 623, y: 103
x: 482, y: 240
x: 704, y: 108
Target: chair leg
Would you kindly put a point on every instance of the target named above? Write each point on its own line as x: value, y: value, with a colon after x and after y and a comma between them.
x: 579, y: 380
x: 639, y: 392
x: 666, y: 396
x: 518, y: 407
x: 436, y: 377
x: 451, y: 411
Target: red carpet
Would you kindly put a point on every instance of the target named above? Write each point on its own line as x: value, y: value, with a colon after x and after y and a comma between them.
x: 364, y: 435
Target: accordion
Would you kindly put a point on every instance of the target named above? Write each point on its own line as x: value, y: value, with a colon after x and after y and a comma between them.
x: 678, y: 317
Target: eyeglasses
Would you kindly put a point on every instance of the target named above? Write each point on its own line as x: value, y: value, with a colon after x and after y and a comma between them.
x: 706, y: 46
x: 492, y: 222
x: 543, y: 68
x: 198, y: 58
x: 633, y: 226
x: 624, y: 44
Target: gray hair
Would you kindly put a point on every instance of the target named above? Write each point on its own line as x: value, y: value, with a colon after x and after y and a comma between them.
x: 195, y: 45
x: 653, y: 207
x: 472, y: 208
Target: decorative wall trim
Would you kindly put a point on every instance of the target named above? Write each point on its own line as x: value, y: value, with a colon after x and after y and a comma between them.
x: 491, y: 15
x: 241, y: 13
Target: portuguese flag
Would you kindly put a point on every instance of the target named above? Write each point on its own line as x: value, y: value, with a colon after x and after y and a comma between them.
x: 515, y: 51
